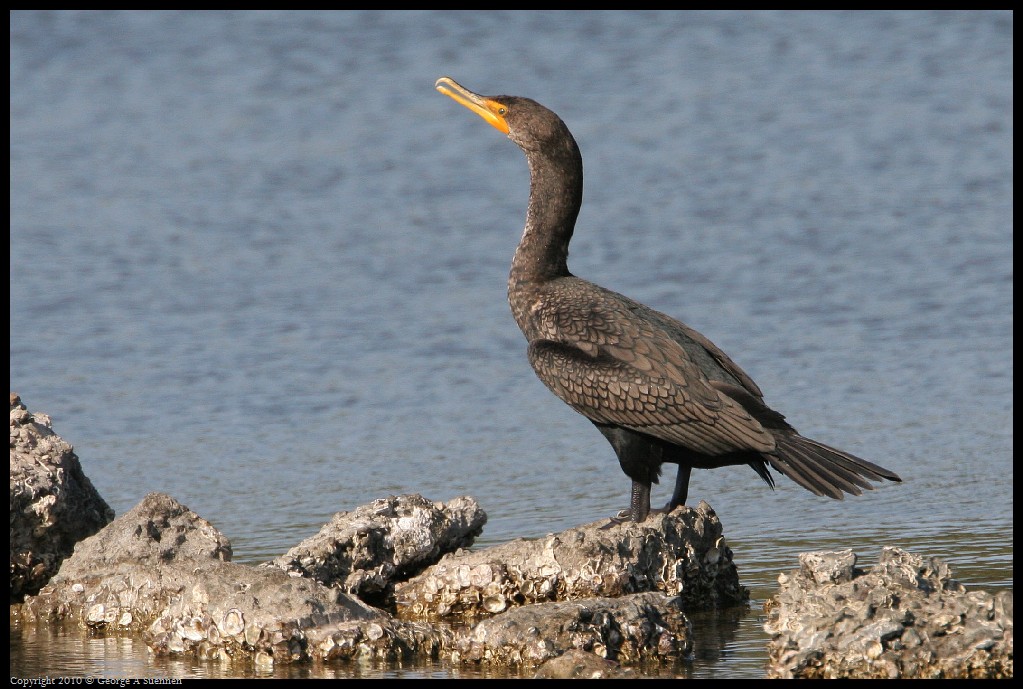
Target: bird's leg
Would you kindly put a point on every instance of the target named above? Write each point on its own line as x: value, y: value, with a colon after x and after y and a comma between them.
x: 681, y: 488
x: 678, y: 497
x: 639, y: 506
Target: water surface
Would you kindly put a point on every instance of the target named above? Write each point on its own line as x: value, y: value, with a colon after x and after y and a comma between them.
x: 259, y: 264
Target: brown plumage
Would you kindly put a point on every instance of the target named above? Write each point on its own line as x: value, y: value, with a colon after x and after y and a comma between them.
x: 659, y: 391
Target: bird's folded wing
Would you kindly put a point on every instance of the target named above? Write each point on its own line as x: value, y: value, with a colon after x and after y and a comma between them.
x: 646, y: 385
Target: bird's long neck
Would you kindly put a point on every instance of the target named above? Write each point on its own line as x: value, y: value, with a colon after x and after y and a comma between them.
x: 555, y: 195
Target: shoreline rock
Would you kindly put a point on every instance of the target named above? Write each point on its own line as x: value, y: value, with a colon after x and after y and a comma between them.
x: 905, y: 617
x: 363, y: 552
x: 395, y: 579
x: 53, y: 503
x: 682, y: 554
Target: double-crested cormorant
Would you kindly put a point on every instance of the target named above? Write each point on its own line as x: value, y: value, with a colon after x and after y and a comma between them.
x: 658, y: 390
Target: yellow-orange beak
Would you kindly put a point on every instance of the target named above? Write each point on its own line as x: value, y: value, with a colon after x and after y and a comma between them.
x: 489, y: 110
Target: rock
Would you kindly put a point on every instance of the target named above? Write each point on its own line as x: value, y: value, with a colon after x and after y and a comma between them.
x: 128, y: 572
x: 906, y: 617
x: 53, y: 503
x: 163, y: 571
x: 679, y: 554
x: 156, y: 531
x: 628, y: 629
x: 364, y: 551
x: 586, y: 602
x: 263, y: 615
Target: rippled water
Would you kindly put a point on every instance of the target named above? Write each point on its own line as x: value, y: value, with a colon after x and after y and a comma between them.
x: 258, y: 263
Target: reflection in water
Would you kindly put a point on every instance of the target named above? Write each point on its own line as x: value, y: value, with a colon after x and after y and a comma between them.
x: 716, y: 634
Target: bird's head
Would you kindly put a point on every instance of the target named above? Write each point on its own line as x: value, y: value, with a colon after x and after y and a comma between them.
x: 526, y: 122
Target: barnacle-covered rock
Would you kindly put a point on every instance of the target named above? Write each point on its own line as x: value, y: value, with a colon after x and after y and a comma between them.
x: 628, y: 629
x: 157, y: 530
x: 265, y: 616
x: 362, y: 552
x: 123, y: 576
x: 680, y: 554
x: 164, y: 572
x: 53, y: 503
x: 905, y: 617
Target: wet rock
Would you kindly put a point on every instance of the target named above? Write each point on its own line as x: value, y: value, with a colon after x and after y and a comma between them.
x: 681, y: 554
x: 53, y: 503
x: 364, y: 551
x: 628, y: 629
x: 905, y: 617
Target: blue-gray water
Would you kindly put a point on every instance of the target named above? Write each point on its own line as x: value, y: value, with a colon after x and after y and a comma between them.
x: 259, y: 264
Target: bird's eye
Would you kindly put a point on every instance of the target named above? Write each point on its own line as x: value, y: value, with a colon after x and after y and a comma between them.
x: 502, y: 111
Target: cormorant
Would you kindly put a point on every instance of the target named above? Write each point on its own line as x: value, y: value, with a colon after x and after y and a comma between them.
x: 658, y: 390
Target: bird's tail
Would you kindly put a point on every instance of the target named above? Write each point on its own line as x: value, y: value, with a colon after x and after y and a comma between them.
x: 823, y: 470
